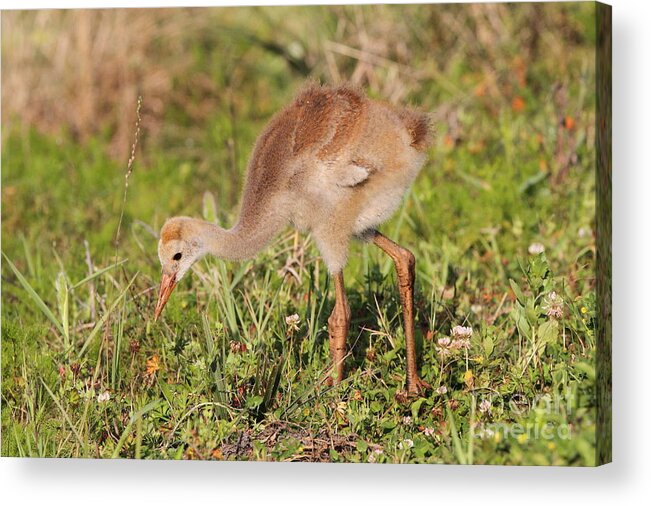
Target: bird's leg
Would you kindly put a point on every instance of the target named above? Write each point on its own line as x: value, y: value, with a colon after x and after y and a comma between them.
x: 338, y: 327
x: 405, y: 263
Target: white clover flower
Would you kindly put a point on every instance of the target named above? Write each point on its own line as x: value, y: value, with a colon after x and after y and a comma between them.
x: 555, y: 312
x: 460, y: 338
x: 406, y: 420
x: 103, y: 397
x: 407, y: 443
x: 553, y: 305
x: 443, y: 346
x: 428, y: 431
x: 373, y: 456
x: 485, y: 405
x: 536, y: 248
x: 442, y: 390
x: 485, y: 433
x: 460, y: 332
x: 459, y: 344
x: 292, y: 321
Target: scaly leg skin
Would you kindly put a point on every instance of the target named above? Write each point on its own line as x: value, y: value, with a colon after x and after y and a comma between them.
x: 405, y: 263
x: 338, y: 327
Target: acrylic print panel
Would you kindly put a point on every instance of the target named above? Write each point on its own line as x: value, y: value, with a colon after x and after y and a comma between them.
x: 397, y: 247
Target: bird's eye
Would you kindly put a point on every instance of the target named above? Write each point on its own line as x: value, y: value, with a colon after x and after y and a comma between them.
x: 177, y: 256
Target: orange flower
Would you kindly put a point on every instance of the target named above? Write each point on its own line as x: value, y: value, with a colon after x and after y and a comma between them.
x: 568, y: 122
x: 152, y: 365
x: 517, y: 104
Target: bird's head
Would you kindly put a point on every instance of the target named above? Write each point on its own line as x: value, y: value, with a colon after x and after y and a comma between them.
x: 179, y: 247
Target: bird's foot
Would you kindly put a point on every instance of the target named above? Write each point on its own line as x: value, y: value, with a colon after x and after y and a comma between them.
x: 416, y: 387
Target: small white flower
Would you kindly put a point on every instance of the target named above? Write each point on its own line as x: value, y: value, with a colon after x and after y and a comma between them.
x: 407, y: 443
x: 103, y: 397
x: 443, y: 346
x: 536, y: 248
x: 292, y: 321
x: 486, y: 433
x: 460, y: 332
x: 376, y: 451
x: 442, y: 390
x: 485, y: 405
x: 459, y: 344
x: 428, y: 431
x: 406, y: 420
x: 555, y: 312
x: 553, y: 305
x: 460, y: 338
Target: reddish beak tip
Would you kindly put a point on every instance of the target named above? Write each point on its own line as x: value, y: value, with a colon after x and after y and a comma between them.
x: 167, y: 284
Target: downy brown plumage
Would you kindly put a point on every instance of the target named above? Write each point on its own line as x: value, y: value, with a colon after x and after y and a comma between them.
x: 333, y: 163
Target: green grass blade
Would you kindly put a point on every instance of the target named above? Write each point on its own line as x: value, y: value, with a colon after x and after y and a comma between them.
x: 209, y: 207
x: 28, y: 256
x: 34, y: 296
x: 61, y: 284
x: 119, y: 333
x: 64, y: 413
x: 471, y: 432
x: 134, y: 418
x: 98, y: 326
x: 217, y: 377
x: 97, y: 274
x: 458, y: 447
x: 272, y: 385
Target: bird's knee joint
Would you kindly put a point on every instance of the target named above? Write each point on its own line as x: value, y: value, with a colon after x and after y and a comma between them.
x: 408, y: 259
x: 406, y: 264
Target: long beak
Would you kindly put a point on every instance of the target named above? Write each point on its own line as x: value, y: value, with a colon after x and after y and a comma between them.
x: 167, y: 284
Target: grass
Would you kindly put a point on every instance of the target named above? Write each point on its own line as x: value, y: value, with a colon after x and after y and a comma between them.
x: 87, y: 373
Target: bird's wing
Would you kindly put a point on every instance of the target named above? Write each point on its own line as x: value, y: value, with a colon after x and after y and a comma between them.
x: 353, y: 173
x: 350, y: 175
x: 328, y: 125
x: 327, y: 121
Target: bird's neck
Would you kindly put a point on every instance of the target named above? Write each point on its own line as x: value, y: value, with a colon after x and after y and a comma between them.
x: 245, y: 239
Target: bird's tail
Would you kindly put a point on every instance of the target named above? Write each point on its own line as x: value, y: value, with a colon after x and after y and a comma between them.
x: 419, y: 126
